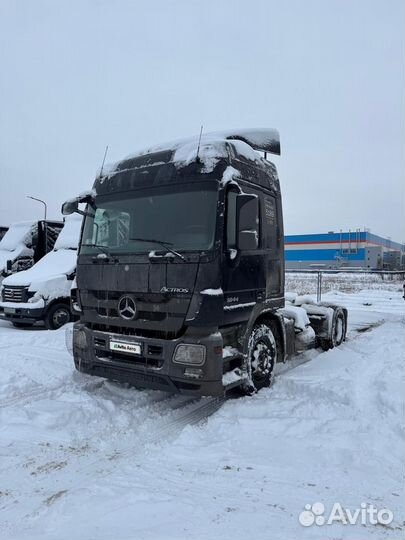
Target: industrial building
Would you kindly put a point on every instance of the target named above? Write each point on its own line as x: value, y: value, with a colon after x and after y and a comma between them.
x: 357, y: 249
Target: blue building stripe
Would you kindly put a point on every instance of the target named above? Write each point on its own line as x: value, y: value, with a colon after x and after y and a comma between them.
x: 322, y: 255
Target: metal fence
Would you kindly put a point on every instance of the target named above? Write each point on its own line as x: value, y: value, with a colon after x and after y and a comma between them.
x: 320, y: 281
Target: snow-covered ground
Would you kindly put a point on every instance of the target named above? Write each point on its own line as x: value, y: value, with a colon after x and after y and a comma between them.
x: 82, y: 458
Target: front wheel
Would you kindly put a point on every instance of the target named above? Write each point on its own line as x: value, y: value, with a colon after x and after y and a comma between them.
x: 57, y: 316
x: 262, y: 355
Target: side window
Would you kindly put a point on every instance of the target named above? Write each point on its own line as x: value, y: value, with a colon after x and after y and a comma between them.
x: 110, y: 228
x: 231, y: 219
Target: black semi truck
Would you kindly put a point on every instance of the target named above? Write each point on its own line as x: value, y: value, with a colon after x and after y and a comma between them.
x: 180, y: 275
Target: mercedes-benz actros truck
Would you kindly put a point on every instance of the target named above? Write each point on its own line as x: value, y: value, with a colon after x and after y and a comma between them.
x: 180, y: 274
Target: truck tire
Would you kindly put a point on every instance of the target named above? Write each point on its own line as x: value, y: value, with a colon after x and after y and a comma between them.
x: 262, y: 355
x: 57, y: 315
x: 338, y: 333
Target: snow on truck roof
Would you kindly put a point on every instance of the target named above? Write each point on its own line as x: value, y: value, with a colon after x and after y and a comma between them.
x: 211, y: 148
x: 185, y: 160
x: 18, y: 233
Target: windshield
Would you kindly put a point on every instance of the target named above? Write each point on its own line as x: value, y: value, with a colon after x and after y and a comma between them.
x: 182, y: 217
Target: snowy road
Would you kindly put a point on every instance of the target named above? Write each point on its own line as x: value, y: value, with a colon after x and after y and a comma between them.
x: 82, y: 458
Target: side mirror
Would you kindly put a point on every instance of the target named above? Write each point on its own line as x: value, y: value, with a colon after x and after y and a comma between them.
x: 247, y: 221
x: 70, y: 207
x: 9, y: 265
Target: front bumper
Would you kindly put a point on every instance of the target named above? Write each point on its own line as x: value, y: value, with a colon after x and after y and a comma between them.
x: 153, y: 367
x: 22, y: 312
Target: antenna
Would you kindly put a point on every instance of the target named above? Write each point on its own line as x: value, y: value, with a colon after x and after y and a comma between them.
x: 199, y: 142
x: 102, y: 165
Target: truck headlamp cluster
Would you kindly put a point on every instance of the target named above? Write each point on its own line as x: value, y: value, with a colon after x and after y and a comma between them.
x: 80, y: 339
x: 190, y: 354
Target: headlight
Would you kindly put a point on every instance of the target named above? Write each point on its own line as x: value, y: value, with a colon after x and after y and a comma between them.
x: 30, y: 294
x: 80, y: 339
x: 190, y: 354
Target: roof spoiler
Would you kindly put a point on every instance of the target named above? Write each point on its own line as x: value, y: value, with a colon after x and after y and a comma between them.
x: 262, y: 139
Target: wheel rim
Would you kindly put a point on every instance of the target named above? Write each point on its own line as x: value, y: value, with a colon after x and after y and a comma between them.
x: 262, y: 360
x: 60, y: 317
x: 339, y: 330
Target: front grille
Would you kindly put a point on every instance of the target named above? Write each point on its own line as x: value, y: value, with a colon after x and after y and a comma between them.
x: 14, y: 294
x: 158, y: 315
x: 137, y: 332
x: 128, y: 359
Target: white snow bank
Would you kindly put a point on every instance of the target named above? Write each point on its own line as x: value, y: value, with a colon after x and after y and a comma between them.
x: 70, y: 234
x: 77, y: 460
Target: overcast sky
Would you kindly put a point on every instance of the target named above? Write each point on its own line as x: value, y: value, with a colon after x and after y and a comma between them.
x: 329, y: 75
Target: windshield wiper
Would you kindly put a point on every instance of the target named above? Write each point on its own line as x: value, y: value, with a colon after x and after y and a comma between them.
x: 101, y: 248
x: 166, y: 245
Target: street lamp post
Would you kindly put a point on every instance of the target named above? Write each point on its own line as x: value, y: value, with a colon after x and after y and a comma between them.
x: 41, y: 201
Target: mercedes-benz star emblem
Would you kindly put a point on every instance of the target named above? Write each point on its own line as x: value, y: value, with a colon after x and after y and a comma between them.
x: 127, y: 308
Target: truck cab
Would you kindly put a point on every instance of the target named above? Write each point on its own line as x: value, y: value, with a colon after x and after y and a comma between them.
x: 180, y: 276
x: 42, y: 292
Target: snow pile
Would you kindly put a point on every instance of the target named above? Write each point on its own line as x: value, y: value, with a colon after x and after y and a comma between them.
x: 303, y: 299
x: 70, y: 234
x: 208, y: 154
x: 230, y: 174
x: 228, y: 352
x: 88, y: 194
x: 298, y: 314
x: 290, y: 297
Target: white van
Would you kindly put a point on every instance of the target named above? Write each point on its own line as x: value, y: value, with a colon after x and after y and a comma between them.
x: 42, y: 293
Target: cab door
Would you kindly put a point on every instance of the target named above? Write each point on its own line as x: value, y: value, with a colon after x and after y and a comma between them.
x: 244, y: 270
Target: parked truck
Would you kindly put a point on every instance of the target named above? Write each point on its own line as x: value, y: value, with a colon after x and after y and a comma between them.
x: 42, y: 293
x: 180, y: 276
x: 25, y: 243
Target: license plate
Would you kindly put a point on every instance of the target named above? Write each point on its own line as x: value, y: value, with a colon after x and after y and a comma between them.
x: 9, y: 310
x: 131, y: 348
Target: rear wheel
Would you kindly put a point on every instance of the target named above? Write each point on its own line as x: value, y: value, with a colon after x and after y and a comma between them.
x: 57, y: 316
x: 338, y: 333
x: 262, y: 355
